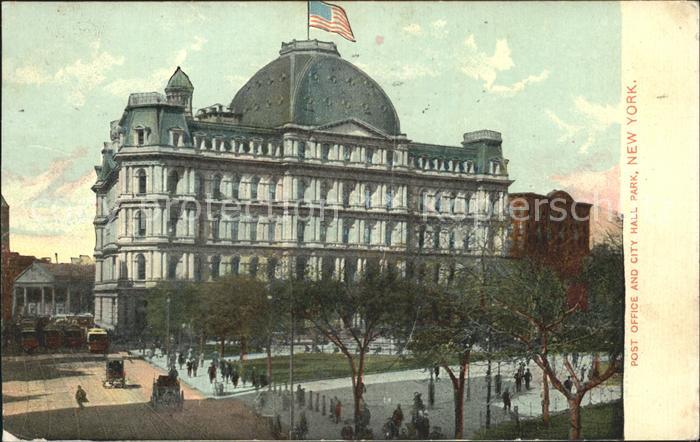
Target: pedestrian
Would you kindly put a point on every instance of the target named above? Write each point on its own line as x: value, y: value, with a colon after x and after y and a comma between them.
x: 528, y: 377
x: 331, y: 414
x: 518, y: 381
x: 189, y: 368
x: 212, y: 372
x: 234, y: 377
x: 437, y: 373
x: 338, y: 409
x: 80, y: 397
x: 173, y: 372
x: 506, y: 400
x: 397, y: 417
x: 195, y: 366
x: 568, y: 384
x: 431, y: 392
x: 498, y: 380
x: 181, y: 359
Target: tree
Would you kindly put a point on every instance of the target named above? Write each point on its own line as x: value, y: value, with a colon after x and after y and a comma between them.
x: 273, y: 320
x: 184, y: 306
x: 232, y: 306
x: 530, y: 304
x: 355, y: 316
x: 448, y: 328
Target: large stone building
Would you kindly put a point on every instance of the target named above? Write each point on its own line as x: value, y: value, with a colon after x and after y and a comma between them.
x: 305, y: 173
x: 553, y: 229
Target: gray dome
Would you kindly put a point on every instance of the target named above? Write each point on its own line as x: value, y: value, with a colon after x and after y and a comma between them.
x: 310, y: 85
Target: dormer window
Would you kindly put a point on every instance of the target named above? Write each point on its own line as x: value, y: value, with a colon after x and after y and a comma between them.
x: 176, y: 137
x: 140, y: 135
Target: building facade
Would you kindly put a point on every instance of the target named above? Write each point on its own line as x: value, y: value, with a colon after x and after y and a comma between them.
x: 305, y: 174
x: 46, y: 289
x: 553, y: 229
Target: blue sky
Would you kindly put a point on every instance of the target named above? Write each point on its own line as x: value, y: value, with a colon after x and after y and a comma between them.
x: 546, y: 75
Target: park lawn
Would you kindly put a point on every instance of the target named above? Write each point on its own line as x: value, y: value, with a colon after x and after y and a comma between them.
x: 316, y: 366
x: 601, y: 421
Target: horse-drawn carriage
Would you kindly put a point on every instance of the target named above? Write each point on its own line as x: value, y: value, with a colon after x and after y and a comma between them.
x: 115, y: 373
x: 167, y: 393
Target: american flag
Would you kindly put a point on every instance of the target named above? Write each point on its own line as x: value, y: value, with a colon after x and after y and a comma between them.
x: 330, y: 18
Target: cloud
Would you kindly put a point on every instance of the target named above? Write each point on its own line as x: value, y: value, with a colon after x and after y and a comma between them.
x: 594, y: 120
x: 484, y: 67
x: 237, y: 81
x: 29, y: 75
x: 439, y: 24
x: 78, y: 78
x: 413, y: 28
x: 600, y: 188
x: 55, y: 210
x: 156, y: 79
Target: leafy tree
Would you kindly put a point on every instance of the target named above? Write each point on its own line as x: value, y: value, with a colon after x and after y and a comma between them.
x: 184, y: 306
x: 384, y: 304
x: 530, y: 304
x: 232, y: 306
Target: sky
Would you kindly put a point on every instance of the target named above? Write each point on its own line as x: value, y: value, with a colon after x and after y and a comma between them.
x: 546, y: 75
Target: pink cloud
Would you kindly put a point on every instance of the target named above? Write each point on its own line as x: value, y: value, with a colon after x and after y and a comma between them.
x: 600, y: 188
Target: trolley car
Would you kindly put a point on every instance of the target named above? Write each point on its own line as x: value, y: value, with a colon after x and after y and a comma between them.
x: 73, y: 336
x: 98, y: 340
x: 115, y: 373
x: 29, y: 339
x: 166, y: 393
x: 53, y: 336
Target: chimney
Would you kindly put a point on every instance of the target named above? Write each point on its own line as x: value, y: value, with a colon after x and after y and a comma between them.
x: 56, y: 255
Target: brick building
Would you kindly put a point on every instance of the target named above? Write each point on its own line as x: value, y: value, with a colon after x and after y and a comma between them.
x: 553, y: 229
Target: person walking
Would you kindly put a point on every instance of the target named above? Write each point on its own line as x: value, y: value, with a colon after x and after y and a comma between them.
x: 234, y: 377
x: 518, y: 381
x: 181, y: 359
x: 80, y: 397
x: 568, y: 384
x: 338, y: 409
x: 189, y: 368
x: 498, y: 381
x: 212, y: 373
x: 506, y: 400
x: 397, y: 418
x: 528, y: 377
x: 195, y: 366
x: 431, y: 392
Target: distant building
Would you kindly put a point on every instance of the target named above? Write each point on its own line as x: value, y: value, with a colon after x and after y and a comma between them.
x: 12, y: 263
x: 553, y: 229
x: 241, y: 188
x: 50, y: 289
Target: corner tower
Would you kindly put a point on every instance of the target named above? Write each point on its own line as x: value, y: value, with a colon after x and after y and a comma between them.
x: 179, y: 90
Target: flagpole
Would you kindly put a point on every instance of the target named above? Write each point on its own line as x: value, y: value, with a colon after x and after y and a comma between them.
x: 308, y: 11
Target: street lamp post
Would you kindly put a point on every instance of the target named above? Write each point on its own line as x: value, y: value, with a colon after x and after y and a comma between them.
x: 167, y: 327
x: 291, y: 363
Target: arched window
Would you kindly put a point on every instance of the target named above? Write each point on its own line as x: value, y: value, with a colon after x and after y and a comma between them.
x: 389, y: 197
x: 388, y: 233
x: 139, y: 223
x: 368, y: 196
x: 272, y: 190
x: 253, y: 267
x: 325, y: 188
x: 216, y: 186
x: 436, y: 238
x: 253, y: 229
x: 141, y: 177
x: 368, y: 232
x: 452, y: 240
x: 347, y: 225
x: 271, y: 226
x: 423, y: 201
x: 172, y: 266
x: 452, y: 203
x: 421, y: 237
x: 234, y: 229
x: 301, y: 189
x: 140, y: 262
x: 301, y: 230
x: 438, y: 202
x: 347, y: 191
x: 215, y: 226
x: 235, y: 187
x: 199, y: 184
x: 215, y: 267
x: 173, y: 180
x: 254, y: 183
x: 301, y: 150
x: 197, y: 268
